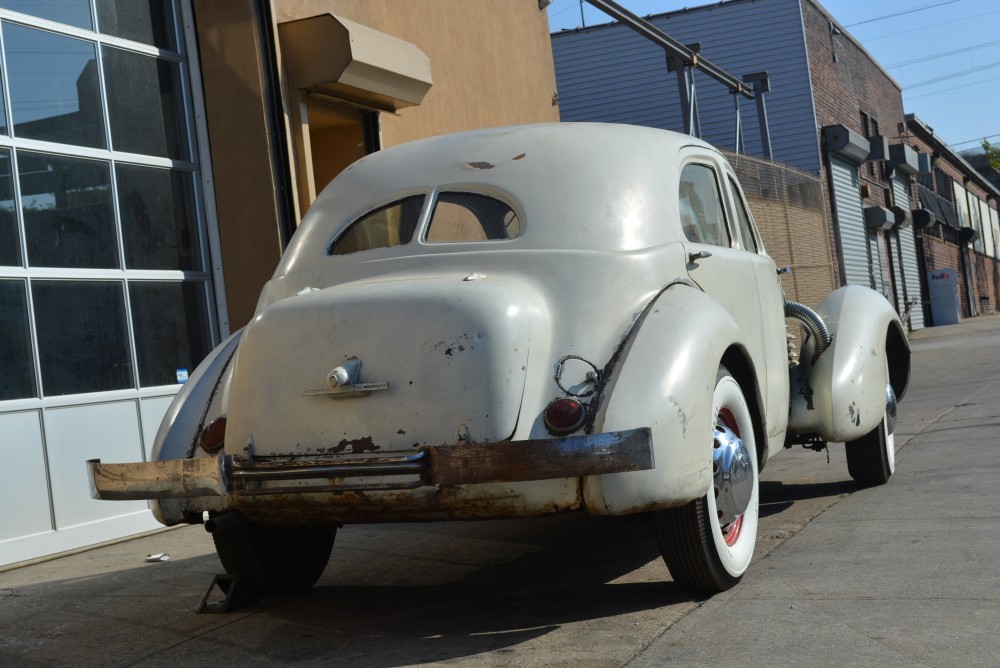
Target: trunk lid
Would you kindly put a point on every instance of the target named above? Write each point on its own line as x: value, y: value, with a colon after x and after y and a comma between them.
x: 453, y: 354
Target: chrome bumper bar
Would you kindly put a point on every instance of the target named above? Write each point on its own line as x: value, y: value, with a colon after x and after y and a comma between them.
x: 441, y: 465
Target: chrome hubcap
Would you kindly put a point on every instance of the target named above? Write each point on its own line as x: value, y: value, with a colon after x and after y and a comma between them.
x: 733, y: 472
x: 890, y: 410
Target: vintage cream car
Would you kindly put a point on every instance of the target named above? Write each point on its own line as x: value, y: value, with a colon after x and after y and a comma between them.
x: 516, y: 322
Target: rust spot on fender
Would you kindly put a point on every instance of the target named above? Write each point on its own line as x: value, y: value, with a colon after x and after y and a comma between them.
x: 807, y: 393
x: 354, y: 446
x: 854, y: 414
x: 480, y: 165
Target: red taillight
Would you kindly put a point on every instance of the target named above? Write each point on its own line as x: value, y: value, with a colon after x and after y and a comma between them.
x: 564, y: 415
x: 213, y: 436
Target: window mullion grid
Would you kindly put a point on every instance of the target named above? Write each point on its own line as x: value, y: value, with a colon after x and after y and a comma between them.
x: 112, y: 180
x: 8, y: 112
x: 207, y: 276
x: 93, y: 15
x: 7, y: 104
x: 89, y: 35
x: 36, y: 358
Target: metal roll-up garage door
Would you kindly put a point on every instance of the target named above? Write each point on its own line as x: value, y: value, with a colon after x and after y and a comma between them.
x: 851, y: 222
x: 910, y: 265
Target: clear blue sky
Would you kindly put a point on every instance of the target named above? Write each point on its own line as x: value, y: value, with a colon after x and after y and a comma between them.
x: 955, y: 88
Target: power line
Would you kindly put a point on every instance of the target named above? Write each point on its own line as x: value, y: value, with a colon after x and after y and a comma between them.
x: 942, y: 54
x: 946, y: 90
x: 952, y: 75
x: 975, y: 141
x: 907, y: 11
x: 935, y: 25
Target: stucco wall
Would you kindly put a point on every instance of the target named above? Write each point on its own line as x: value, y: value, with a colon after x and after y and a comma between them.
x: 491, y: 62
x: 491, y: 65
x: 244, y: 175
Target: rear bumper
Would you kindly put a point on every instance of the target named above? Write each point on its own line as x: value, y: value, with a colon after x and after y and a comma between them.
x: 432, y: 466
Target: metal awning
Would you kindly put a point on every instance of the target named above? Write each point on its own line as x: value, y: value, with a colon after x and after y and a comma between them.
x: 333, y: 56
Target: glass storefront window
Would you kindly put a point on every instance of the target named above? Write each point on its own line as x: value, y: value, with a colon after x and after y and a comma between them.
x: 17, y: 378
x: 10, y: 247
x: 55, y: 91
x: 147, y: 21
x: 174, y: 337
x: 157, y: 213
x: 83, y: 341
x: 71, y: 12
x: 69, y: 218
x: 104, y: 282
x: 145, y: 104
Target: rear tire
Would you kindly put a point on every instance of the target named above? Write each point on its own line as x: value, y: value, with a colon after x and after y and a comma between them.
x: 871, y: 460
x: 703, y: 553
x: 275, y: 560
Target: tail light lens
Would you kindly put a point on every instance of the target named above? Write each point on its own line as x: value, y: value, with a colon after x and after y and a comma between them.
x: 563, y: 416
x: 214, y: 435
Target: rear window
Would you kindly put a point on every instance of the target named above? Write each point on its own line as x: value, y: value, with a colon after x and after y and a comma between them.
x: 390, y: 225
x: 471, y: 217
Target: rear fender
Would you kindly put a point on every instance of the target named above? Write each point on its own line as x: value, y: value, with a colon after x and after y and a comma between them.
x: 842, y: 395
x: 199, y: 401
x: 665, y: 382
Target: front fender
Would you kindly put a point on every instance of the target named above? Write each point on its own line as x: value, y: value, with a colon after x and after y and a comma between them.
x: 842, y: 396
x: 665, y: 382
x: 199, y: 401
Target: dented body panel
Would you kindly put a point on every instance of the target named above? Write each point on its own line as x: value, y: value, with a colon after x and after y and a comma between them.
x: 405, y: 374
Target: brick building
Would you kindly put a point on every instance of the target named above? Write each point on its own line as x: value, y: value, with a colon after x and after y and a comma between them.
x: 958, y: 228
x: 834, y: 113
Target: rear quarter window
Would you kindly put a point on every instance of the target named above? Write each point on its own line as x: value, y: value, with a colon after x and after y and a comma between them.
x: 390, y: 225
x: 461, y: 217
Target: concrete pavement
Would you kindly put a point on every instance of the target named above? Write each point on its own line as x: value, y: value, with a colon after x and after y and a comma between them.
x: 897, y: 575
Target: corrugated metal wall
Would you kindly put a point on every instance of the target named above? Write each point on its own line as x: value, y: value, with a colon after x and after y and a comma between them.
x: 612, y: 74
x: 907, y: 257
x: 851, y: 222
x: 876, y: 249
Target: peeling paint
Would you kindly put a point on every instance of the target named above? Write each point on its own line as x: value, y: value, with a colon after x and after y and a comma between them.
x: 854, y: 414
x: 480, y: 165
x: 354, y: 446
x: 519, y: 157
x: 807, y: 393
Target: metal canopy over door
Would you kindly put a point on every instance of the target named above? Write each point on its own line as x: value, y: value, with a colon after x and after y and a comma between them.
x: 850, y: 219
x: 905, y: 260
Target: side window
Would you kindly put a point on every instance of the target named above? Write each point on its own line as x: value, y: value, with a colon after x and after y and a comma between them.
x: 391, y: 225
x: 701, y: 209
x: 471, y: 217
x: 743, y: 218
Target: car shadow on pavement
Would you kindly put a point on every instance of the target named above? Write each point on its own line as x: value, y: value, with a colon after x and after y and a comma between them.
x: 777, y: 496
x: 582, y: 570
x: 425, y: 593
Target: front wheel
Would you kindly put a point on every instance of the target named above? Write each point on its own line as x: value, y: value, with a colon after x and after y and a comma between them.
x: 708, y: 544
x: 275, y: 560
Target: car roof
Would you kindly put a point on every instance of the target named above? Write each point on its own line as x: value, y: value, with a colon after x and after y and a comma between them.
x: 580, y: 186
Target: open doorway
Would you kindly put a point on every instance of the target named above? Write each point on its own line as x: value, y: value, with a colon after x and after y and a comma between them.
x: 338, y: 135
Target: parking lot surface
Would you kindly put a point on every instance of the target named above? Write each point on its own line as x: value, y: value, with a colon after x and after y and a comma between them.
x: 895, y: 575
